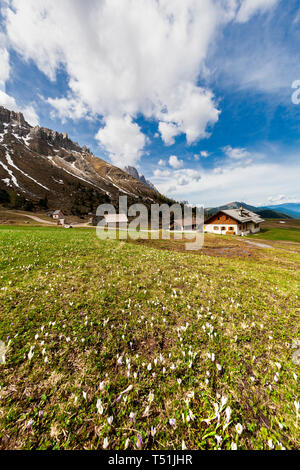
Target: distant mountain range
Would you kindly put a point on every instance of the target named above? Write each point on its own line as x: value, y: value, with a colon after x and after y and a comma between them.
x: 291, y: 209
x: 282, y: 211
x: 41, y: 168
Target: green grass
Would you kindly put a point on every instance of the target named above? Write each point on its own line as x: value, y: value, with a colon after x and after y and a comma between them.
x: 288, y: 234
x: 210, y: 327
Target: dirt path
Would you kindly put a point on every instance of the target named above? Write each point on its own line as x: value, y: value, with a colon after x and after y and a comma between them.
x: 48, y: 222
x: 260, y: 245
x: 33, y: 217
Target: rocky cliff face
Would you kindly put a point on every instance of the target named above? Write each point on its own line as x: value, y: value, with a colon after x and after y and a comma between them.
x: 54, y: 138
x: 38, y: 163
x: 10, y: 117
x: 133, y: 172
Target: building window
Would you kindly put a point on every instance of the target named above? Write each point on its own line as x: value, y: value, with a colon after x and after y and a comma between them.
x: 216, y: 228
x: 223, y: 228
x: 231, y: 228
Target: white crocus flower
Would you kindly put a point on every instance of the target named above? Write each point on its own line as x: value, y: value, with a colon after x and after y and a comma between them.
x: 239, y: 428
x: 127, y: 444
x: 99, y: 407
x: 102, y: 386
x: 224, y: 400
x: 110, y: 420
x: 151, y: 397
x: 270, y: 444
x: 105, y: 443
x: 31, y: 353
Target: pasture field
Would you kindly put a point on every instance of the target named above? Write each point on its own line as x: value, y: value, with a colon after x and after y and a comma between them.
x: 274, y: 230
x: 292, y: 235
x: 122, y: 345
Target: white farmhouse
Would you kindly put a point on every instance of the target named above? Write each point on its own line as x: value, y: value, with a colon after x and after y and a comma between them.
x: 116, y: 219
x: 233, y: 222
x: 57, y: 215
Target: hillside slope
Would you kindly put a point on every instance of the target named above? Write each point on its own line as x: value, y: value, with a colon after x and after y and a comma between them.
x: 39, y: 166
x: 291, y: 209
x: 264, y: 212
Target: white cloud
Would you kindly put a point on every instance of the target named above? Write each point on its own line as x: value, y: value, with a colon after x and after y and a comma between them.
x: 187, y: 176
x: 125, y: 58
x: 158, y: 173
x: 218, y: 170
x: 246, y: 183
x: 162, y: 162
x: 249, y: 8
x: 297, y: 17
x: 268, y: 69
x: 122, y: 139
x: 278, y: 198
x: 68, y: 108
x: 174, y: 162
x: 7, y: 101
x: 190, y: 109
x: 258, y: 60
x: 168, y: 131
x: 202, y: 154
x: 29, y: 112
x: 181, y: 177
x: 30, y: 115
x: 282, y: 199
x: 236, y: 153
x: 4, y: 67
x: 4, y: 62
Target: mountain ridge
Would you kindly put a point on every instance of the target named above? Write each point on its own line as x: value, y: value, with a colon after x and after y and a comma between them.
x: 292, y: 209
x: 39, y: 166
x: 264, y: 212
x: 131, y: 170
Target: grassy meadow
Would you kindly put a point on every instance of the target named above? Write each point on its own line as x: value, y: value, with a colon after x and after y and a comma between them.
x: 116, y: 345
x: 274, y: 230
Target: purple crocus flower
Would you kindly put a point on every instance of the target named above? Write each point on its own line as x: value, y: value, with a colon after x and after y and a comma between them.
x: 29, y: 425
x: 139, y: 441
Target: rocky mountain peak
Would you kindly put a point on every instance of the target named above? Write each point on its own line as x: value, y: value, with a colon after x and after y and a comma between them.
x: 132, y: 171
x: 40, y: 167
x: 14, y: 122
x: 54, y: 138
x: 11, y: 118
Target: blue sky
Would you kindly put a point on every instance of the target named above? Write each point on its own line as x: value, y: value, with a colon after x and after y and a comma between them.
x: 196, y: 95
